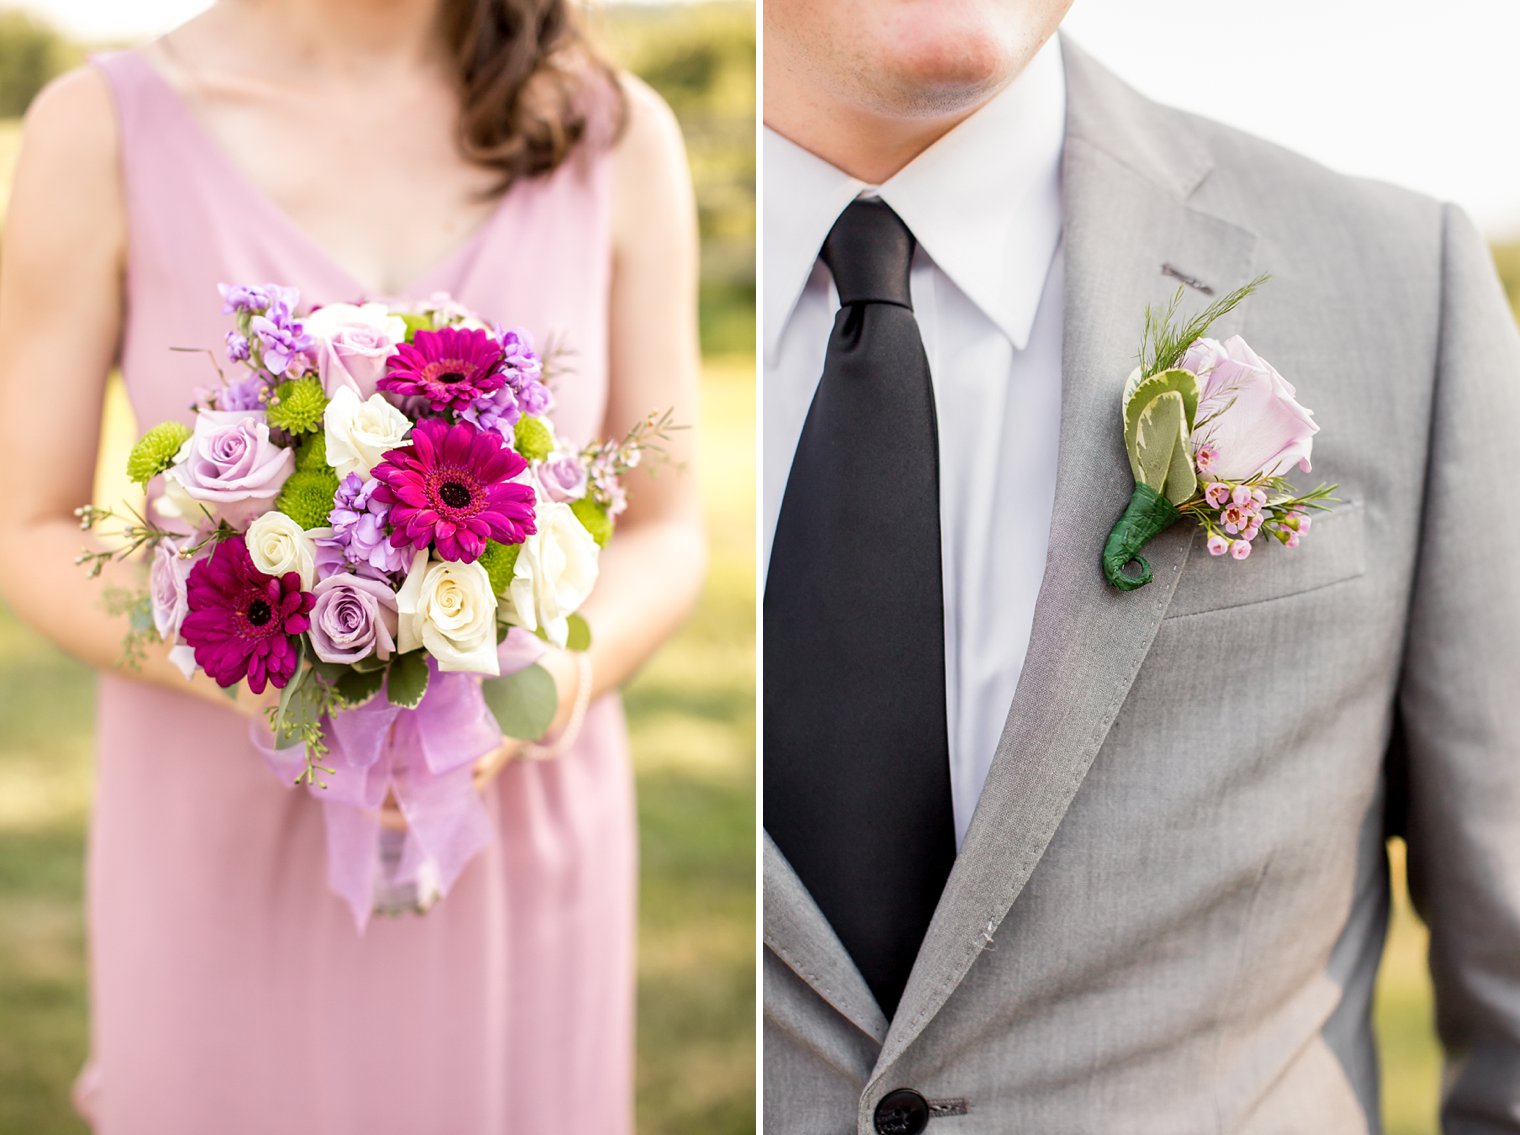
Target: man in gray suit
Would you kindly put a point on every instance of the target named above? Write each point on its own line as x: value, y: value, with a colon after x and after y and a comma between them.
x: 1091, y: 861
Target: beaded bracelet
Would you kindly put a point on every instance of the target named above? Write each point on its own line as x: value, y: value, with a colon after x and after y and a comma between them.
x: 540, y: 751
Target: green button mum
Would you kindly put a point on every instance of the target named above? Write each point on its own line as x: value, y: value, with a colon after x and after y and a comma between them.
x: 594, y: 518
x: 500, y: 562
x: 307, y: 497
x: 533, y: 437
x: 298, y: 406
x: 155, y: 450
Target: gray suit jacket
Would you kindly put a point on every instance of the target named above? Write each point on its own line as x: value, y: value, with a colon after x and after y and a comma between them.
x: 1169, y: 909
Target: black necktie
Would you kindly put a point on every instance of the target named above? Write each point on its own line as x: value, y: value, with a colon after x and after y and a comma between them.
x: 857, y: 769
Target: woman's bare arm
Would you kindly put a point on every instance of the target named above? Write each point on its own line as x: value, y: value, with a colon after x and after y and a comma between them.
x: 61, y: 302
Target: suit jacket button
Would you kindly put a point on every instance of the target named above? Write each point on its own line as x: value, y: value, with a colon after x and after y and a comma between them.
x: 902, y: 1112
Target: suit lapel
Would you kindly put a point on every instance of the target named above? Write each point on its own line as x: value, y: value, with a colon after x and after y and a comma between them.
x: 1128, y: 171
x: 797, y: 932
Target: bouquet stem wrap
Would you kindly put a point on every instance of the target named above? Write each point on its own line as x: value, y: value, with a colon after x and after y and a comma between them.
x: 1147, y: 514
x: 423, y: 757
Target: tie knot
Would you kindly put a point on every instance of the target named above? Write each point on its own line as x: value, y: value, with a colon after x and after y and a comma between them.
x: 870, y: 253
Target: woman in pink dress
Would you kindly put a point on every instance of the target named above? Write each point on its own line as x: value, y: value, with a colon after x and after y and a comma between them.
x: 352, y: 150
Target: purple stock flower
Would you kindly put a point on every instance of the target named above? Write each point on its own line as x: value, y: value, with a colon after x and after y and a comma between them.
x: 256, y: 297
x: 523, y: 370
x: 280, y: 338
x: 359, y: 532
x: 495, y: 411
x: 250, y: 393
x: 237, y: 347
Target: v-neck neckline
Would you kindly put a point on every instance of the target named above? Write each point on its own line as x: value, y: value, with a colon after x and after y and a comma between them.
x: 426, y: 282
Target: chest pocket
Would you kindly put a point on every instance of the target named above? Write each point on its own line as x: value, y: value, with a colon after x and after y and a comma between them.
x: 1333, y: 551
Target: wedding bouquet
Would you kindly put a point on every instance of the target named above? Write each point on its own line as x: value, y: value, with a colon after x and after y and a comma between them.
x: 377, y: 519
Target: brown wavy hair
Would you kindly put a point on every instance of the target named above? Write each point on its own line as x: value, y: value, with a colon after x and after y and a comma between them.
x: 530, y: 83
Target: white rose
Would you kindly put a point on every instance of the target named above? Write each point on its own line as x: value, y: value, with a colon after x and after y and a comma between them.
x: 359, y: 433
x: 277, y: 544
x: 556, y: 569
x: 449, y: 609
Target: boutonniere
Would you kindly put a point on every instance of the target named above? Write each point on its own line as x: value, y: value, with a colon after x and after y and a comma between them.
x: 1210, y: 429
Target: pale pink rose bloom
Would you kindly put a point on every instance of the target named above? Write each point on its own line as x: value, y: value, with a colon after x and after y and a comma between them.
x: 231, y: 465
x: 1218, y: 545
x: 166, y: 588
x: 1240, y: 549
x: 1249, y: 414
x: 353, y: 345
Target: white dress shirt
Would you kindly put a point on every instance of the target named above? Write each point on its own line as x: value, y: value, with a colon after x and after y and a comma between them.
x: 984, y: 203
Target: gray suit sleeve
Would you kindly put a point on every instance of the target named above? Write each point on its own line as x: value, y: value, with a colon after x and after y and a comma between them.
x: 1459, y: 698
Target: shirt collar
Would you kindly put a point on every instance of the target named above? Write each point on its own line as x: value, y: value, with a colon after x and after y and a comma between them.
x: 983, y: 201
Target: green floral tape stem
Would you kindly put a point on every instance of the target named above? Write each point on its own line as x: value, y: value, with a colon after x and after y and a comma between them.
x: 1147, y: 514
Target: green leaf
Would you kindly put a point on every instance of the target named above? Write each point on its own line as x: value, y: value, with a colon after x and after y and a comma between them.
x: 367, y: 664
x: 415, y: 323
x: 1181, y: 382
x: 1160, y: 430
x: 1181, y: 480
x: 524, y: 702
x: 580, y: 634
x: 329, y: 672
x: 408, y: 679
x: 358, y: 686
x: 282, y: 732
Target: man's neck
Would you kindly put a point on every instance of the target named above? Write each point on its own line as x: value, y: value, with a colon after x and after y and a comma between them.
x: 867, y: 146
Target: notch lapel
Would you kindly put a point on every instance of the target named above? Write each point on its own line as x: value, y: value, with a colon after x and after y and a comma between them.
x: 797, y: 932
x: 1128, y: 171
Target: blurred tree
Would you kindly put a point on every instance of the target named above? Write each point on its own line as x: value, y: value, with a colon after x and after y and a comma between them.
x: 31, y: 54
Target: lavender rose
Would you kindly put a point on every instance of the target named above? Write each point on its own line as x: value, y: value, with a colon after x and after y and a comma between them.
x: 166, y: 588
x: 230, y: 465
x: 1248, y: 419
x: 353, y: 344
x: 353, y: 618
x: 563, y: 477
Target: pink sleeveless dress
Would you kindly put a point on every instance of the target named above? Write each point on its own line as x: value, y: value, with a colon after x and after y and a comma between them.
x: 230, y: 991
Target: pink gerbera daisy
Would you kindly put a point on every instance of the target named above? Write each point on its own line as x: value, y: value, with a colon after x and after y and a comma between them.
x: 453, y: 488
x: 451, y: 368
x: 241, y: 621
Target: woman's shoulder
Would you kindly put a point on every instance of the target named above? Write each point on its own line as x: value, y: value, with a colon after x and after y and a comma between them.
x: 648, y: 155
x: 73, y: 118
x: 70, y: 141
x: 649, y: 129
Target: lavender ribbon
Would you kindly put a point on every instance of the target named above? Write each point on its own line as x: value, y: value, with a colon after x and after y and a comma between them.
x: 423, y: 757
